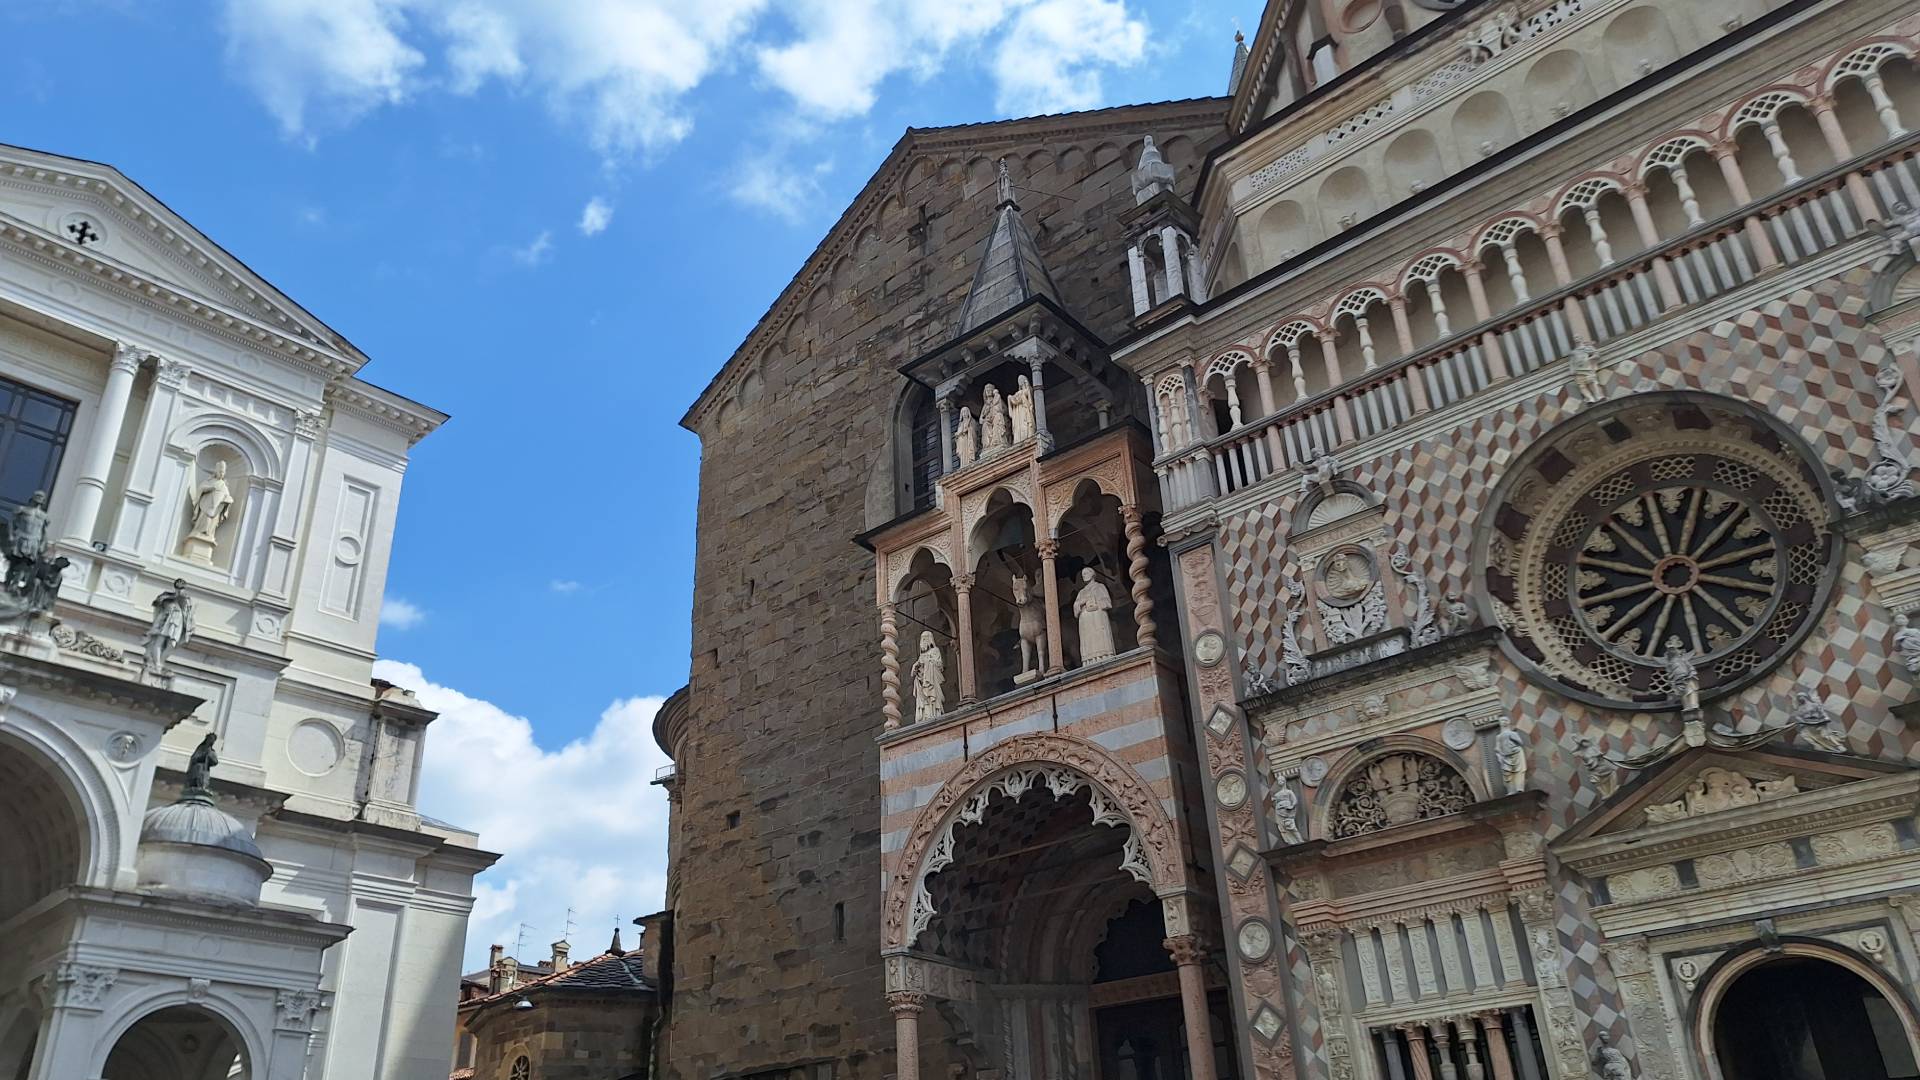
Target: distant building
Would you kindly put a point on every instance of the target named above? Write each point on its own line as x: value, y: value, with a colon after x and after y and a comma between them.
x: 201, y: 496
x: 593, y: 1020
x: 1406, y: 575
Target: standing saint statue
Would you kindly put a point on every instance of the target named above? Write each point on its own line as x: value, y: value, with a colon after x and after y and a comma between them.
x: 1510, y: 750
x: 1611, y: 1062
x: 1286, y: 810
x: 966, y: 438
x: 212, y: 503
x: 1683, y: 678
x: 27, y: 532
x: 995, y: 434
x: 1020, y: 410
x: 929, y: 680
x: 1091, y: 606
x: 200, y: 770
x: 172, y: 627
x: 1906, y: 643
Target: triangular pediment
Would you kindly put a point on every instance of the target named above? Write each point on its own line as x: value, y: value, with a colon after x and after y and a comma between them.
x: 94, y: 213
x: 1704, y: 782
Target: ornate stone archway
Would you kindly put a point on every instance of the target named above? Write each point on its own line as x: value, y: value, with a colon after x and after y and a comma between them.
x: 1063, y: 765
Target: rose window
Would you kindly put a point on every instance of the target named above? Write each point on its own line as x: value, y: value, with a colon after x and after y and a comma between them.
x: 1660, y: 527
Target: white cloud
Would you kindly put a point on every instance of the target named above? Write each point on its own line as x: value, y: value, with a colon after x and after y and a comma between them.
x: 621, y: 70
x: 770, y: 182
x: 563, y: 586
x: 401, y: 614
x: 537, y: 251
x: 1053, y: 57
x: 595, y: 216
x: 584, y: 828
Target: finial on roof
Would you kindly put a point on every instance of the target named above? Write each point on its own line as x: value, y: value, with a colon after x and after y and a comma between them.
x: 615, y: 949
x: 1006, y: 185
x: 1152, y: 175
x: 1240, y: 58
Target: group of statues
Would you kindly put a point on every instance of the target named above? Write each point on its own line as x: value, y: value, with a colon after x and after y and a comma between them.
x: 33, y: 578
x: 1092, y: 611
x: 1002, y: 423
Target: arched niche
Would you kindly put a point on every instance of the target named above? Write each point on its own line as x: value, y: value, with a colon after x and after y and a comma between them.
x: 1092, y: 538
x: 1006, y: 592
x: 1346, y: 198
x: 1397, y: 781
x: 1413, y: 162
x: 1483, y: 125
x: 924, y: 603
x: 1557, y: 84
x: 1323, y: 506
x: 1283, y: 232
x: 1638, y: 42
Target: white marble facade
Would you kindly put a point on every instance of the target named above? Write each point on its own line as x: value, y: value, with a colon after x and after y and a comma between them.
x: 218, y: 437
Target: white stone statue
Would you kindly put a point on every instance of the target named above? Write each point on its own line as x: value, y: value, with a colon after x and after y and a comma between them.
x: 929, y: 676
x: 1906, y: 643
x: 1020, y: 410
x: 172, y: 627
x: 1817, y: 725
x: 1286, y: 811
x: 1091, y: 606
x: 1032, y: 612
x: 1683, y: 678
x: 27, y: 532
x: 1510, y: 749
x: 995, y: 433
x: 966, y: 438
x: 1599, y: 768
x: 212, y: 503
x: 1584, y: 373
x: 1611, y: 1062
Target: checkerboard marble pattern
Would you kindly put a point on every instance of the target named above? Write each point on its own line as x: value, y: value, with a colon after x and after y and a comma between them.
x: 1807, y: 358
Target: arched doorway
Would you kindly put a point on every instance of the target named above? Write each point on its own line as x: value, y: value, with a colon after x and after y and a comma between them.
x: 1806, y: 1018
x: 180, y: 1042
x: 43, y: 848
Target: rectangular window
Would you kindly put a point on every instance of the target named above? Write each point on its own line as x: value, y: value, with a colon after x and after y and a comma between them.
x: 34, y: 426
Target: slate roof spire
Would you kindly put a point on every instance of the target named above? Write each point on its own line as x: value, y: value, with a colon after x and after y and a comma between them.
x: 1010, y: 271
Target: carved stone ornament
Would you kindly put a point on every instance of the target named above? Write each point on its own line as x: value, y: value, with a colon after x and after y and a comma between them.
x: 1645, y: 530
x: 294, y: 1009
x: 82, y: 986
x: 1230, y: 789
x: 1292, y: 656
x: 1888, y: 476
x: 1717, y: 790
x: 79, y: 641
x: 1259, y: 682
x: 124, y: 748
x: 1313, y: 771
x: 1395, y: 790
x: 1255, y: 940
x: 1906, y: 643
x: 1425, y: 625
x: 1209, y: 648
x: 1457, y: 733
x: 1351, y: 598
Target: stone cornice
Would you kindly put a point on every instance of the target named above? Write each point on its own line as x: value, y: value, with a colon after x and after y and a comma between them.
x: 103, y: 689
x: 886, y: 181
x: 1299, y: 695
x: 387, y: 409
x: 279, y: 926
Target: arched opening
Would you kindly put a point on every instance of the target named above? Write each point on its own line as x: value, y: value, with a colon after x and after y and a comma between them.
x: 923, y: 606
x: 1806, y: 1018
x: 917, y: 450
x: 1413, y: 161
x: 1638, y: 41
x: 178, y: 1043
x: 1346, y: 199
x: 1283, y: 232
x: 1008, y: 601
x: 1094, y: 587
x: 1557, y: 84
x: 42, y: 839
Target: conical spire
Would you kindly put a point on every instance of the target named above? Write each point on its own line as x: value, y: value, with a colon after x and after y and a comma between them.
x: 1153, y: 175
x: 1010, y: 271
x: 615, y: 948
x: 1240, y: 57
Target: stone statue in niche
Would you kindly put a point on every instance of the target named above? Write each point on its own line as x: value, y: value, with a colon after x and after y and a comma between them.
x: 995, y: 433
x: 1456, y: 617
x: 1091, y: 607
x: 929, y: 676
x: 1906, y: 643
x: 1020, y: 411
x: 171, y: 628
x: 1032, y: 609
x: 1599, y: 768
x: 212, y: 505
x: 200, y: 770
x: 1510, y: 750
x: 1286, y: 811
x: 1611, y: 1063
x: 966, y: 438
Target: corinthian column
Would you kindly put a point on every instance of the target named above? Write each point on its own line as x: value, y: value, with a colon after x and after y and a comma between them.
x: 1189, y: 954
x: 1056, y: 660
x: 963, y: 602
x: 907, y: 1006
x: 90, y: 488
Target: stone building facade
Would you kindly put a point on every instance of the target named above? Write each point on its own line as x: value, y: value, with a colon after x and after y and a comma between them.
x: 1452, y: 622
x: 210, y: 853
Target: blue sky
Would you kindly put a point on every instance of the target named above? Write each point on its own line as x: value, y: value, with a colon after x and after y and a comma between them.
x: 554, y: 221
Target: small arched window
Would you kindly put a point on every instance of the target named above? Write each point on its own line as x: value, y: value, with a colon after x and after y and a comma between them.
x: 923, y: 448
x: 522, y: 1069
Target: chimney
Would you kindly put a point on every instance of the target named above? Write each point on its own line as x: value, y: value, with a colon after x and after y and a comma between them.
x: 560, y: 951
x: 495, y: 969
x: 509, y: 973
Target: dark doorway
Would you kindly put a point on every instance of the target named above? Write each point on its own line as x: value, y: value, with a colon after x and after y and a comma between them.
x: 1799, y: 1018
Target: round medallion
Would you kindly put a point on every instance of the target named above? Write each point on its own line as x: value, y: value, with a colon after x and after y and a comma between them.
x: 1230, y: 789
x: 314, y: 747
x: 1255, y: 940
x: 1665, y: 523
x: 1457, y: 733
x: 1312, y: 771
x: 124, y: 747
x: 1208, y: 648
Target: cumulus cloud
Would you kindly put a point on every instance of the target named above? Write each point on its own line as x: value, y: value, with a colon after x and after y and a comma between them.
x: 772, y: 183
x: 401, y: 614
x: 580, y: 825
x: 595, y: 216
x: 536, y: 251
x: 621, y: 70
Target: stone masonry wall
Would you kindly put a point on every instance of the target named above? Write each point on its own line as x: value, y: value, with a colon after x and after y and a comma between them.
x: 778, y: 883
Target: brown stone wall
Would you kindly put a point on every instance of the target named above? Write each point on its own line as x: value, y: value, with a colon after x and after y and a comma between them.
x: 779, y: 774
x: 575, y: 1038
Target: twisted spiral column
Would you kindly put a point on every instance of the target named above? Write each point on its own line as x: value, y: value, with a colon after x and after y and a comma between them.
x: 1142, y: 586
x: 889, y: 668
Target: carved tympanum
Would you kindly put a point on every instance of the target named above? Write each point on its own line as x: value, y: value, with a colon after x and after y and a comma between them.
x: 1715, y: 790
x: 1397, y: 789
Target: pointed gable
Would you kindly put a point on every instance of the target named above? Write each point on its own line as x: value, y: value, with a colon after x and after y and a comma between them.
x: 1010, y: 271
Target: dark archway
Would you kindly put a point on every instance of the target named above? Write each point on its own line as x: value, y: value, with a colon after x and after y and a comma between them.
x: 180, y: 1042
x: 1803, y: 1018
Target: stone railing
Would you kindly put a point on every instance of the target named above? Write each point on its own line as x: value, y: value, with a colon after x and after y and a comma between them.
x: 1784, y: 229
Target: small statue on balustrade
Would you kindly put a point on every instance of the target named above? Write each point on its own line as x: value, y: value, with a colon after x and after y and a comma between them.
x: 995, y: 433
x: 966, y: 438
x: 1020, y: 411
x: 929, y: 676
x: 1092, y: 607
x: 1032, y: 609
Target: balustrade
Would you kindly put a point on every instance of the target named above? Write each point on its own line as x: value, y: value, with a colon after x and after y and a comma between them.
x: 1719, y: 256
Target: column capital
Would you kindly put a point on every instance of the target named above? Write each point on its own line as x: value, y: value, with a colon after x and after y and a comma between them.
x: 171, y: 373
x: 1492, y: 1018
x: 907, y: 1003
x: 1131, y: 514
x: 962, y: 582
x: 1634, y: 188
x: 1047, y: 548
x: 1186, y: 949
x: 1723, y: 149
x: 128, y: 356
